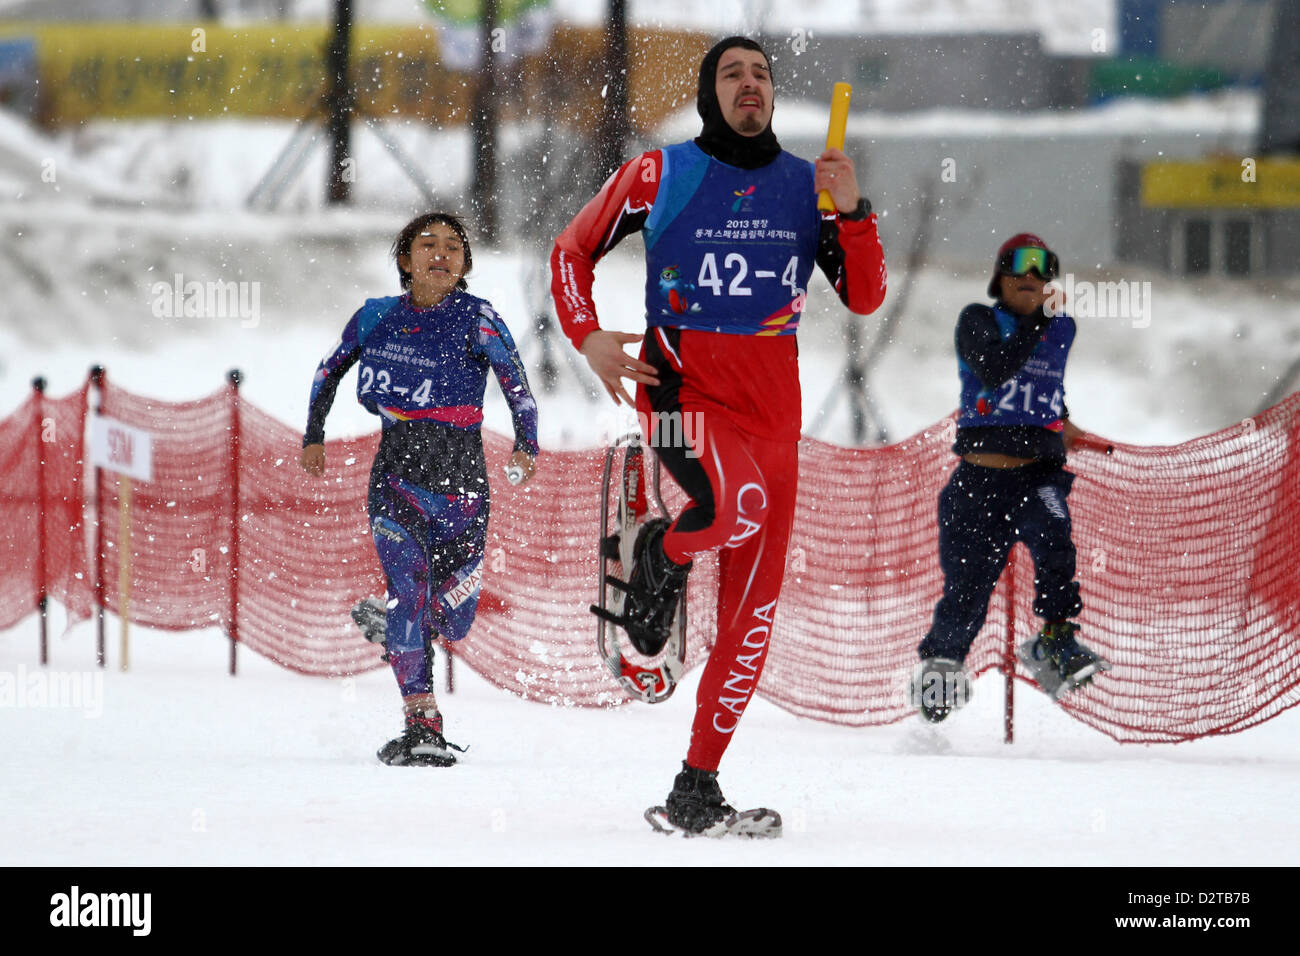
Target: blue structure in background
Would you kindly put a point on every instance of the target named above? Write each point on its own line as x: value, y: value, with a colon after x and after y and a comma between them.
x: 18, y: 79
x: 1170, y: 48
x: 1139, y: 27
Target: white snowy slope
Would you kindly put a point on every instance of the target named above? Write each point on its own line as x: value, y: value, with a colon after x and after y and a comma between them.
x: 176, y: 763
x: 1209, y: 355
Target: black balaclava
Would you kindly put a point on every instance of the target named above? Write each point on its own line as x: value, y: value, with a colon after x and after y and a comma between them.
x: 717, y: 138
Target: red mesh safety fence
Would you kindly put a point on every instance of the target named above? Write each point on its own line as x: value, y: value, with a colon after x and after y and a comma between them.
x: 1186, y: 561
x: 179, y: 522
x: 42, y: 544
x: 232, y: 533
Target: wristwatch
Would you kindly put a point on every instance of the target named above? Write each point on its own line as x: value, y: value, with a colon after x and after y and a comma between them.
x: 859, y: 212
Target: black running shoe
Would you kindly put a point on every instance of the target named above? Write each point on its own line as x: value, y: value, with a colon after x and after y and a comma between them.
x: 654, y: 590
x: 1075, y: 664
x: 696, y: 802
x: 939, y: 686
x: 421, y: 744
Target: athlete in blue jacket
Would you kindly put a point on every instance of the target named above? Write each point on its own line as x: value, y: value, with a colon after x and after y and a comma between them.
x: 1011, y: 484
x: 424, y: 358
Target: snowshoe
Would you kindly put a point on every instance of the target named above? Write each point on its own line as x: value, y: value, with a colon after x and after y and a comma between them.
x: 622, y: 606
x: 371, y: 616
x: 759, y: 823
x: 696, y: 807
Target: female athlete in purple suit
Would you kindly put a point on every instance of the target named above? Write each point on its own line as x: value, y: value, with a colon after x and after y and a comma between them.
x: 424, y: 358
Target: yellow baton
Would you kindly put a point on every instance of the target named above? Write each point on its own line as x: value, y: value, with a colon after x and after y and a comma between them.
x: 835, y: 133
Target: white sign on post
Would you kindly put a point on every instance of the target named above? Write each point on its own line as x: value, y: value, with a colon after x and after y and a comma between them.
x: 121, y: 448
x: 128, y: 452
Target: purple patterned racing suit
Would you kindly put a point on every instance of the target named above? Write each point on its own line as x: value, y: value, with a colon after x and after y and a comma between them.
x: 424, y: 372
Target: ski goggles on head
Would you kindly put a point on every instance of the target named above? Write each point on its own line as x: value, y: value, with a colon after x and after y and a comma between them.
x: 1026, y: 259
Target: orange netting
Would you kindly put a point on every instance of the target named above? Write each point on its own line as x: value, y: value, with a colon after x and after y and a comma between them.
x: 42, y: 545
x: 1186, y: 560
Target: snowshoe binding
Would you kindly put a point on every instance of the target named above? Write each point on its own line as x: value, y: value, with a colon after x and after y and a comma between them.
x: 939, y: 686
x: 1058, y: 662
x: 420, y: 745
x: 696, y: 807
x: 653, y: 591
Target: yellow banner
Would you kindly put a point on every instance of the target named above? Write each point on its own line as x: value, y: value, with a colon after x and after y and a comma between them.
x: 118, y: 71
x: 1222, y: 183
x: 181, y: 71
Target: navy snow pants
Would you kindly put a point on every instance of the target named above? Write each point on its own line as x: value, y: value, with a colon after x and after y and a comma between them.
x: 983, y: 512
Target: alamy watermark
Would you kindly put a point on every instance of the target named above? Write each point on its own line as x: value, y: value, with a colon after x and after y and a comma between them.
x: 937, y: 686
x: 207, y: 300
x: 1100, y: 300
x: 77, y: 908
x: 42, y: 688
x: 659, y: 429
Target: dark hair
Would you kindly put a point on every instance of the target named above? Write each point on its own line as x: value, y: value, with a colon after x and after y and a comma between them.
x: 405, y: 238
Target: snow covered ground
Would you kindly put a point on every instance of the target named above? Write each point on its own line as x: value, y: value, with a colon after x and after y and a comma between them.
x: 175, y: 763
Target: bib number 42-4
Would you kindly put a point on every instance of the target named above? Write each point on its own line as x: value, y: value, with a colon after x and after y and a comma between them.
x: 737, y: 271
